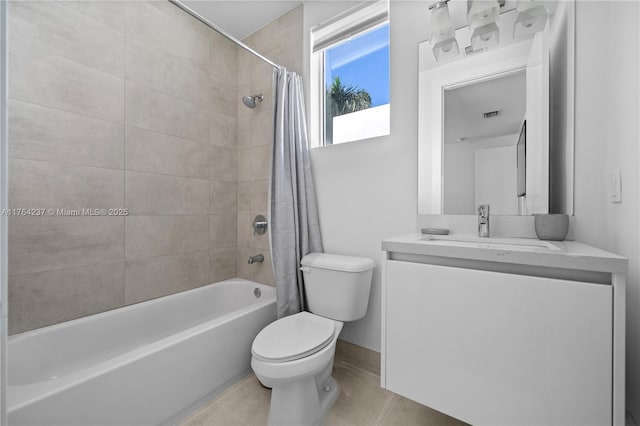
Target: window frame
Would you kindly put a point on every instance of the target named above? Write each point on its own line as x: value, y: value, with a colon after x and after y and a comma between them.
x: 318, y: 60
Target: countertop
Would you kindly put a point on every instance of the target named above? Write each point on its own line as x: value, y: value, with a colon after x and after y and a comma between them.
x: 557, y: 254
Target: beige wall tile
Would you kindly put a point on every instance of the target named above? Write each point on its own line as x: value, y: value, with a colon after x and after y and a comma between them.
x: 259, y: 272
x: 262, y: 80
x: 222, y: 58
x: 223, y: 264
x: 246, y: 236
x: 39, y: 184
x: 153, y: 152
x: 259, y: 197
x: 153, y: 110
x: 149, y: 66
x: 159, y: 276
x: 149, y: 236
x: 153, y: 25
x: 223, y: 164
x: 181, y: 17
x: 57, y: 82
x: 223, y: 197
x: 107, y: 12
x: 152, y: 194
x: 262, y: 126
x: 254, y: 163
x: 244, y: 63
x: 244, y: 89
x: 223, y: 230
x: 244, y: 197
x: 49, y: 134
x: 52, y: 28
x: 223, y: 130
x: 50, y: 297
x: 244, y: 137
x: 224, y: 98
x: 39, y: 244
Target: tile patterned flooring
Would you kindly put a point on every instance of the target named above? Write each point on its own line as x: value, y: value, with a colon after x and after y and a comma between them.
x: 361, y: 402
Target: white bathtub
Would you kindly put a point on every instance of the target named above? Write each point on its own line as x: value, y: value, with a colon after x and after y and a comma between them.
x: 149, y: 363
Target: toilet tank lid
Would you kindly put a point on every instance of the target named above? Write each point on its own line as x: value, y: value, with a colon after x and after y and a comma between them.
x: 337, y: 262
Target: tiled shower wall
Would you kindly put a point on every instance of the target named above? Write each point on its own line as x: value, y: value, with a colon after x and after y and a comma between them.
x: 119, y: 105
x: 281, y: 41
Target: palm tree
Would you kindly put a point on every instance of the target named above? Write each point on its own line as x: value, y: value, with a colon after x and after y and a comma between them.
x: 343, y: 99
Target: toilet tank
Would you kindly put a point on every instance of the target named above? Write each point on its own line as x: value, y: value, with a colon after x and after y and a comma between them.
x: 337, y: 287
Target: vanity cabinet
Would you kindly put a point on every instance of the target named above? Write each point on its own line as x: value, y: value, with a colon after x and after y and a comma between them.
x: 483, y: 342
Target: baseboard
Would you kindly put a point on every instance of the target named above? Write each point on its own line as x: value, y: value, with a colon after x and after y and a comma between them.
x: 360, y: 357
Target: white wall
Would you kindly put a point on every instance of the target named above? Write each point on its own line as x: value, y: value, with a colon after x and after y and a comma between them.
x: 607, y: 137
x: 367, y: 189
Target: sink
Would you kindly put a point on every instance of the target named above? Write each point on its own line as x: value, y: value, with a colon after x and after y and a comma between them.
x: 490, y: 243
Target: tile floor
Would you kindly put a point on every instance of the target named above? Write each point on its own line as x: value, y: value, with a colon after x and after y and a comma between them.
x: 361, y: 402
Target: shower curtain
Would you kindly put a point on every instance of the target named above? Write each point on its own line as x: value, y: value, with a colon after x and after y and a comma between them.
x: 294, y: 229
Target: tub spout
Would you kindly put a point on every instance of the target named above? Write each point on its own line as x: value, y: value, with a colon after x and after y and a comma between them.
x: 256, y: 258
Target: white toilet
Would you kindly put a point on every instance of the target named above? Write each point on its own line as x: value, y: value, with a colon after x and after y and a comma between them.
x: 294, y: 355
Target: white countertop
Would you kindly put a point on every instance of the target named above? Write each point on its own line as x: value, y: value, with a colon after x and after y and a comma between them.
x: 525, y: 251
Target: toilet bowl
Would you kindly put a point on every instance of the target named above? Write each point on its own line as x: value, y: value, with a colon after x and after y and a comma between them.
x: 303, y: 390
x: 294, y: 355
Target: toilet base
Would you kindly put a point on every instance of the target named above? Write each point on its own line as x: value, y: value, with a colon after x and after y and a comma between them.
x: 302, y: 403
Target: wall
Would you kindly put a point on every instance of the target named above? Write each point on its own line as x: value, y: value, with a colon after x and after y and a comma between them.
x: 607, y: 134
x: 280, y: 42
x: 117, y: 105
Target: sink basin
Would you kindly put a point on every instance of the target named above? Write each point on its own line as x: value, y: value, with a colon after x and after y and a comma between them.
x: 490, y: 243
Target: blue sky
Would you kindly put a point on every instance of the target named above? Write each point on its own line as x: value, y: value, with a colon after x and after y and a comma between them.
x: 362, y: 62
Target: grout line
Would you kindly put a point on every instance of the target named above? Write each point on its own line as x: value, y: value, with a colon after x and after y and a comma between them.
x: 91, y: 265
x: 118, y: 169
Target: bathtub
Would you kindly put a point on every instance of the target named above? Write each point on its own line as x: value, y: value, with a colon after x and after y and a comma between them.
x: 149, y: 363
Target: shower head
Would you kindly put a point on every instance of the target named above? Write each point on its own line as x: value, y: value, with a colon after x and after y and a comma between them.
x: 250, y: 101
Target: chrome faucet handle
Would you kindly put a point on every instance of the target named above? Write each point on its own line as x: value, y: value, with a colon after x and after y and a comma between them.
x: 483, y: 220
x: 259, y: 225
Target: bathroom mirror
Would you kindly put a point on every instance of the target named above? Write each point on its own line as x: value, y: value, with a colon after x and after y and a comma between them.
x: 496, y: 126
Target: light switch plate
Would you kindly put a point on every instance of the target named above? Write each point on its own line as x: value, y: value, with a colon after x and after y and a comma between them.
x: 616, y: 187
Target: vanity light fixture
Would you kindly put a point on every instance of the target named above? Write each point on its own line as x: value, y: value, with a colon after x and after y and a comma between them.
x: 532, y: 17
x: 482, y: 16
x: 442, y: 35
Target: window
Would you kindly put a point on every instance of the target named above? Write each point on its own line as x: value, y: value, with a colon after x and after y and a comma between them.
x: 351, y: 55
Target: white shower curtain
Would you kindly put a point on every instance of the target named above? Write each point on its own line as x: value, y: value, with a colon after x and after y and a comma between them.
x: 294, y: 228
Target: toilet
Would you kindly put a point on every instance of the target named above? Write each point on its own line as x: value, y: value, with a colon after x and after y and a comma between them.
x: 294, y: 355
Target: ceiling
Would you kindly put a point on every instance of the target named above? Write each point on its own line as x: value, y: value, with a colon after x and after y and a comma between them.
x: 464, y: 108
x: 241, y: 18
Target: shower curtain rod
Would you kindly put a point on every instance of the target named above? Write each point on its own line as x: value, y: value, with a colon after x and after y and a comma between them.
x: 213, y: 26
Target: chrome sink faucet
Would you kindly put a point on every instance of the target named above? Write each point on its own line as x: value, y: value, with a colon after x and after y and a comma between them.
x: 483, y: 220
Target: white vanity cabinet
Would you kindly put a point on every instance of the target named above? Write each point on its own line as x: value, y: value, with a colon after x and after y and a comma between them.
x: 491, y: 341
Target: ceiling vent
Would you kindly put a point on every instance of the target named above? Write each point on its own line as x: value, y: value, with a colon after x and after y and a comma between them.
x: 491, y: 114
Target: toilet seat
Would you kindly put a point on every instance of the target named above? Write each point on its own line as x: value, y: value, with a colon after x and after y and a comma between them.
x: 293, y: 337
